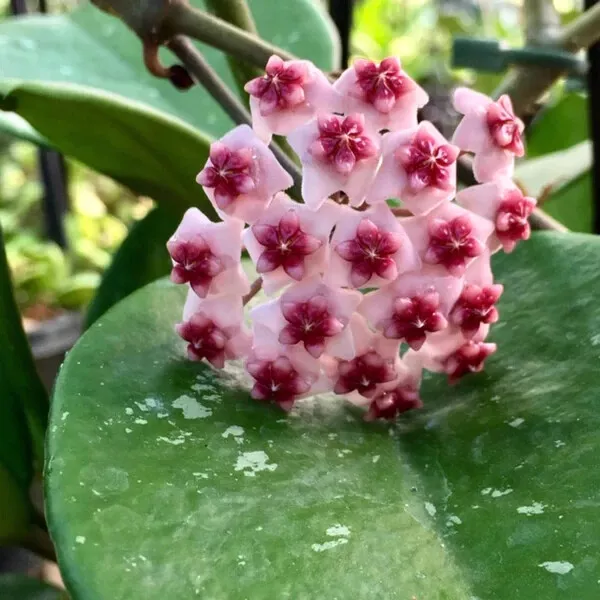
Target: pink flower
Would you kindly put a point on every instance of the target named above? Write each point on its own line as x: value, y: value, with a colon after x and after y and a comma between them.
x: 412, y: 307
x: 387, y: 96
x: 242, y: 175
x: 288, y: 96
x: 449, y: 236
x: 449, y: 352
x: 419, y: 166
x: 424, y: 268
x: 503, y: 203
x: 337, y: 153
x: 207, y: 255
x: 364, y: 373
x: 290, y: 242
x: 313, y: 315
x: 469, y: 358
x: 214, y: 329
x: 369, y: 248
x: 277, y: 380
x: 491, y: 131
x: 388, y: 404
x: 476, y: 305
x: 282, y: 374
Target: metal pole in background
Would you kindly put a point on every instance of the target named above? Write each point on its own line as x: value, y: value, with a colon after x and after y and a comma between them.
x: 341, y: 13
x: 593, y: 56
x: 53, y: 171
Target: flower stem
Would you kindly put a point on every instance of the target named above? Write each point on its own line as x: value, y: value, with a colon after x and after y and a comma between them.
x: 254, y: 289
x: 237, y: 13
x: 187, y: 20
x: 201, y: 70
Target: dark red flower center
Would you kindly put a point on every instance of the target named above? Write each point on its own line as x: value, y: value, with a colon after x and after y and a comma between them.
x: 277, y: 380
x: 427, y: 163
x: 286, y: 245
x: 452, y: 243
x: 194, y: 263
x: 412, y: 318
x: 382, y: 85
x: 343, y: 142
x: 505, y: 128
x: 230, y: 173
x: 309, y: 322
x: 363, y: 374
x: 281, y: 87
x: 370, y: 252
x: 205, y: 339
x: 475, y: 306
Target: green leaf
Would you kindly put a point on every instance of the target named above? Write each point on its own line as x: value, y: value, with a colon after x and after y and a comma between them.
x: 149, y: 151
x: 559, y: 154
x: 19, y: 587
x: 554, y: 170
x: 165, y: 480
x: 15, y: 512
x: 560, y: 125
x: 14, y: 125
x: 142, y: 258
x: 22, y: 394
x: 572, y: 203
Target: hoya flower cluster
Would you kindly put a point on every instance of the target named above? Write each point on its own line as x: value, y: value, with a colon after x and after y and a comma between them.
x: 383, y: 269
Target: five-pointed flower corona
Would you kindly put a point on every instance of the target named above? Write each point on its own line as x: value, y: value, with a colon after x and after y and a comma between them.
x: 379, y: 269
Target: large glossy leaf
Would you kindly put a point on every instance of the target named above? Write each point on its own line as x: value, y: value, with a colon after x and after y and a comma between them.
x: 142, y: 258
x: 562, y: 127
x: 19, y: 587
x: 166, y: 481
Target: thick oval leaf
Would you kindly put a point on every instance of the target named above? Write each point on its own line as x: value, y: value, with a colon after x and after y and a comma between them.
x: 560, y: 125
x: 149, y: 151
x: 14, y: 125
x: 19, y: 587
x: 558, y: 135
x: 165, y: 480
x: 141, y: 258
x: 572, y: 204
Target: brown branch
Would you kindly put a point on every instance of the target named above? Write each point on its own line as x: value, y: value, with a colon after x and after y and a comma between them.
x: 254, y: 289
